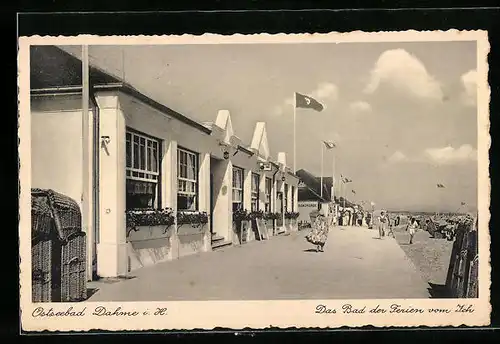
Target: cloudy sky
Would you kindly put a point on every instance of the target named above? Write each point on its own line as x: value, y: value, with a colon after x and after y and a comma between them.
x: 403, y: 114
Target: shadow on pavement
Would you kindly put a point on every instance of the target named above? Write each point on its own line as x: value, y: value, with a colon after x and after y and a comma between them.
x: 311, y: 250
x: 438, y: 291
x: 91, y: 291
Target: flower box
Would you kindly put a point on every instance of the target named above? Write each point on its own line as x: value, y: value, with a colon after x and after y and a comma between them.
x: 149, y: 245
x: 149, y: 233
x: 291, y: 221
x: 148, y: 218
x: 192, y: 233
x: 291, y: 225
x: 272, y: 220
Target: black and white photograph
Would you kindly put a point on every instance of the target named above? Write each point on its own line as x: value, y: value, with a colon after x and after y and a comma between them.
x: 347, y: 173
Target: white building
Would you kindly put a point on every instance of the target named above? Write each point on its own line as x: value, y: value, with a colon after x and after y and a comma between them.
x: 132, y: 152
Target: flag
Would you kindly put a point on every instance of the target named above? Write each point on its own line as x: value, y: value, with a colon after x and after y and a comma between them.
x: 463, y: 203
x: 329, y: 144
x: 306, y: 102
x: 440, y: 186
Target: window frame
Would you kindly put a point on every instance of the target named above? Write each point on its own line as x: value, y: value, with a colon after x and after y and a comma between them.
x: 131, y: 170
x: 237, y: 169
x: 268, y: 196
x: 254, y: 194
x: 285, y: 197
x: 196, y: 181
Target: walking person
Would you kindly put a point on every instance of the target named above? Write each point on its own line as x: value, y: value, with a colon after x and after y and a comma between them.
x: 390, y: 227
x: 382, y: 224
x: 412, y: 228
x: 319, y: 233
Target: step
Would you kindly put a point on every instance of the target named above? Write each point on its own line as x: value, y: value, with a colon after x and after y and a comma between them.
x: 217, y: 238
x: 220, y: 244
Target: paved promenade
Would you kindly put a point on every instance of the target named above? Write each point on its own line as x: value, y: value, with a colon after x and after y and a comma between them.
x: 355, y: 265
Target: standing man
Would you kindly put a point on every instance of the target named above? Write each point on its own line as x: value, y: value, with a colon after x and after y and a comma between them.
x: 382, y: 224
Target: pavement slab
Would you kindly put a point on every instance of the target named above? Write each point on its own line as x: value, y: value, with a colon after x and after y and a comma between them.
x: 355, y: 265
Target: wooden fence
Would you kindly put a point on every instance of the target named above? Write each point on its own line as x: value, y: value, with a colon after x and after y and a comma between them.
x: 462, y: 278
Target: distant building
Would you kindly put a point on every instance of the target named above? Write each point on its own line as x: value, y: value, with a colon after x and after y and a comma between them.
x: 310, y: 197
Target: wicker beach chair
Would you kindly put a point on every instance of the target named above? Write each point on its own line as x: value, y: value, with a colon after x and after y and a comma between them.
x: 58, y: 249
x: 68, y: 222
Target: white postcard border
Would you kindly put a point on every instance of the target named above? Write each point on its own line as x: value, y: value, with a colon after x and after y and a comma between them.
x: 185, y: 315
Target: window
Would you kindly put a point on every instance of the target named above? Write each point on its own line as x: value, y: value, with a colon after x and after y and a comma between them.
x: 285, y: 200
x: 268, y: 194
x: 293, y: 198
x: 237, y: 188
x: 255, y: 191
x: 142, y: 171
x: 187, y: 178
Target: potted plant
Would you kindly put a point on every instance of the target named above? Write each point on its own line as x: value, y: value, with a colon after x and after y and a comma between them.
x: 194, y: 219
x: 192, y: 232
x: 158, y: 221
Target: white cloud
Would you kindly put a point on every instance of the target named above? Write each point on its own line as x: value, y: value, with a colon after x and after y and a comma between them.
x: 450, y: 155
x: 324, y: 92
x: 404, y: 72
x: 398, y: 156
x: 469, y: 83
x: 360, y: 106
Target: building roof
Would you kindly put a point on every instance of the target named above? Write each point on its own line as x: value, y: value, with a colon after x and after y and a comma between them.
x: 54, y: 70
x: 312, y: 188
x: 52, y: 67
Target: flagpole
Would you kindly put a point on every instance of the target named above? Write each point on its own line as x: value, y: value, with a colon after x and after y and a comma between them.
x: 294, y: 132
x: 333, y: 176
x: 321, y: 176
x: 343, y: 194
x: 86, y: 179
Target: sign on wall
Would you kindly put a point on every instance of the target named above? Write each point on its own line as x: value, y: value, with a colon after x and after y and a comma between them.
x: 265, y: 166
x: 305, y: 208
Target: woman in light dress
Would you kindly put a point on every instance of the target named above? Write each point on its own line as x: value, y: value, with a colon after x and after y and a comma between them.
x: 319, y: 233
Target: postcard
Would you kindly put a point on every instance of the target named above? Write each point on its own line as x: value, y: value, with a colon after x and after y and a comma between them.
x: 254, y: 181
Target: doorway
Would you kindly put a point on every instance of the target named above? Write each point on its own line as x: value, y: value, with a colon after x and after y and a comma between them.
x: 279, y: 221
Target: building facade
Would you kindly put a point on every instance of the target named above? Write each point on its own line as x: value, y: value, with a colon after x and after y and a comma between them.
x: 312, y: 198
x: 131, y: 153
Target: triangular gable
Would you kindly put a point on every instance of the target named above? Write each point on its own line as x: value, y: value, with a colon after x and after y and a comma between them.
x: 224, y: 122
x: 259, y: 140
x: 282, y: 158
